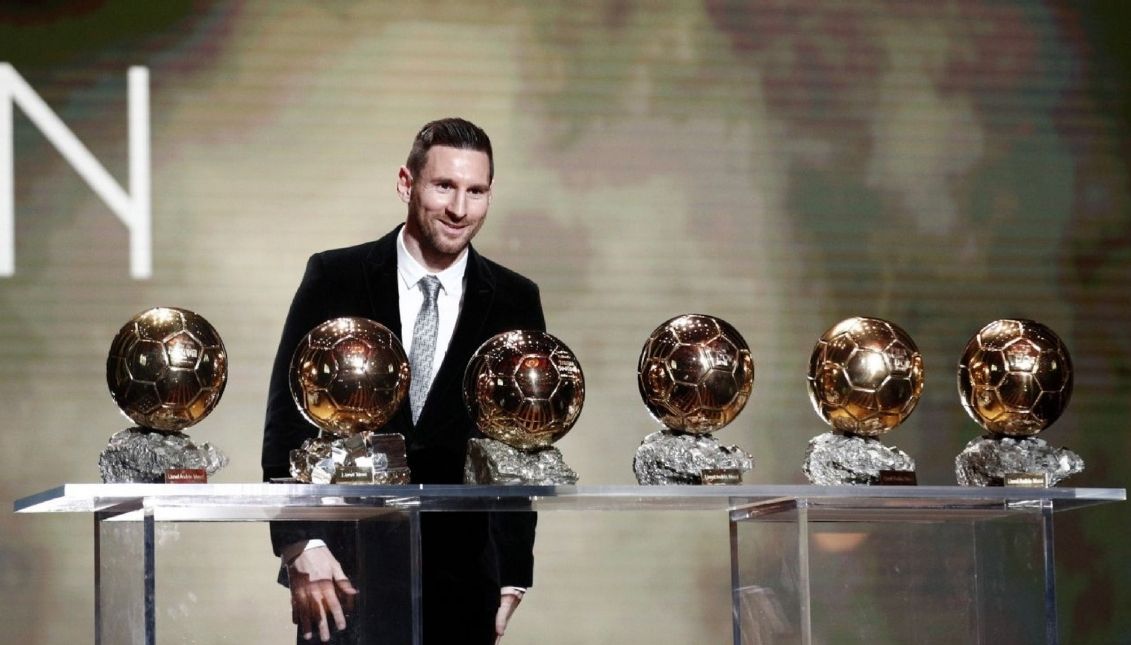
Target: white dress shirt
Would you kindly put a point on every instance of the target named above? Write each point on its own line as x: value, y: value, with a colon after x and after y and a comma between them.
x: 448, y: 301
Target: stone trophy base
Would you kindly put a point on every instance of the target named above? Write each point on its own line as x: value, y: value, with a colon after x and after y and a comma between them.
x: 666, y: 457
x: 991, y: 460
x: 362, y: 458
x: 496, y: 463
x: 143, y: 456
x: 835, y: 459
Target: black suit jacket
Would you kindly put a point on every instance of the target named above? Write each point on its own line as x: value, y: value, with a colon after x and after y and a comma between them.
x: 488, y: 550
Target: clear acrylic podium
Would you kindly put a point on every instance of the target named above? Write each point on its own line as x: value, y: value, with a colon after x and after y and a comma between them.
x: 809, y: 565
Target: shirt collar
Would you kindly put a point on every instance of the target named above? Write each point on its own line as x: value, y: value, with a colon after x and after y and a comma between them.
x: 411, y: 271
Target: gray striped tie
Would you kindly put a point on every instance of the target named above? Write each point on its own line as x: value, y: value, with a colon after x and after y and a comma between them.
x: 423, y: 345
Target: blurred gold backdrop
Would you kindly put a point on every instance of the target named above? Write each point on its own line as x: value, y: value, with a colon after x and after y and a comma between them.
x: 782, y: 166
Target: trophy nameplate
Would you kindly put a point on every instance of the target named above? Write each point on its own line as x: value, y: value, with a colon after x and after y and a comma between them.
x: 898, y: 478
x: 186, y: 476
x: 1026, y: 480
x: 720, y: 476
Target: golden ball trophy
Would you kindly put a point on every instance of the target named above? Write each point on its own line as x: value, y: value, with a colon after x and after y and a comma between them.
x: 865, y: 377
x: 348, y: 377
x: 166, y: 370
x: 695, y: 375
x: 524, y: 390
x: 1015, y: 380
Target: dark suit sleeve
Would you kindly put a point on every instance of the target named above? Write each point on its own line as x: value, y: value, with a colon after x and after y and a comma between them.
x: 512, y: 533
x: 284, y: 428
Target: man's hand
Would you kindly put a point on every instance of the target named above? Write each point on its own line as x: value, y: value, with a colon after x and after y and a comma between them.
x: 319, y: 588
x: 508, y: 602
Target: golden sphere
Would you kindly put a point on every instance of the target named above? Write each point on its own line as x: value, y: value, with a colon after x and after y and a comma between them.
x: 167, y: 368
x: 349, y: 375
x: 695, y: 373
x: 1015, y: 377
x: 524, y: 388
x: 865, y: 376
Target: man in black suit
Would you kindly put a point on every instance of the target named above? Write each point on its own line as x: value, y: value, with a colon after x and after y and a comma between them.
x: 475, y: 566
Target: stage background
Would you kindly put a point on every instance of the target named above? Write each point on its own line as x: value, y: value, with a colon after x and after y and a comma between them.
x: 782, y: 165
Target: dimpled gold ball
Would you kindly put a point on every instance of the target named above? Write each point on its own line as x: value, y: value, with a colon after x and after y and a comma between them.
x: 524, y: 388
x: 695, y: 373
x: 167, y: 368
x: 865, y: 376
x: 349, y: 375
x: 1015, y: 377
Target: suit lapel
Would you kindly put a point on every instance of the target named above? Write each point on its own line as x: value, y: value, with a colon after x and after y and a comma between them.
x: 380, y: 272
x: 478, y: 297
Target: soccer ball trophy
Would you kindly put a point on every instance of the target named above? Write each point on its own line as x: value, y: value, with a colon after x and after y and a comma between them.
x: 865, y: 378
x: 348, y: 377
x: 695, y: 374
x: 166, y: 370
x: 524, y: 390
x: 1015, y: 379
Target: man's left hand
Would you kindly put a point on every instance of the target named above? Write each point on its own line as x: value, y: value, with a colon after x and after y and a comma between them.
x: 508, y: 602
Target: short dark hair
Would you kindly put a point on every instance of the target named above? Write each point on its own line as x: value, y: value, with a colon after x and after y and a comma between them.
x: 452, y: 132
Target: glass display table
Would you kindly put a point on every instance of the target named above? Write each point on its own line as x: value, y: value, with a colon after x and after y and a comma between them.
x: 809, y: 564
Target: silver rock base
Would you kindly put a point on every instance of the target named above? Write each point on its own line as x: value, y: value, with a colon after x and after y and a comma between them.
x: 844, y: 460
x: 667, y: 457
x: 362, y: 458
x: 495, y: 463
x: 141, y: 456
x: 987, y: 460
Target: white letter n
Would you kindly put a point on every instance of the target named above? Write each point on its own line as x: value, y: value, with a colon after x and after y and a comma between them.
x: 133, y: 210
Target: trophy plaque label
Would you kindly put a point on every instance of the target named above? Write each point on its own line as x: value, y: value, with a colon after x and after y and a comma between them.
x: 353, y: 475
x: 898, y: 478
x: 720, y: 476
x: 1026, y: 480
x: 186, y: 476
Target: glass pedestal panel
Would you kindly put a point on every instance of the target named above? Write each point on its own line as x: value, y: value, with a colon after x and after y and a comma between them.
x: 142, y: 551
x: 124, y: 598
x: 809, y: 565
x: 808, y: 573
